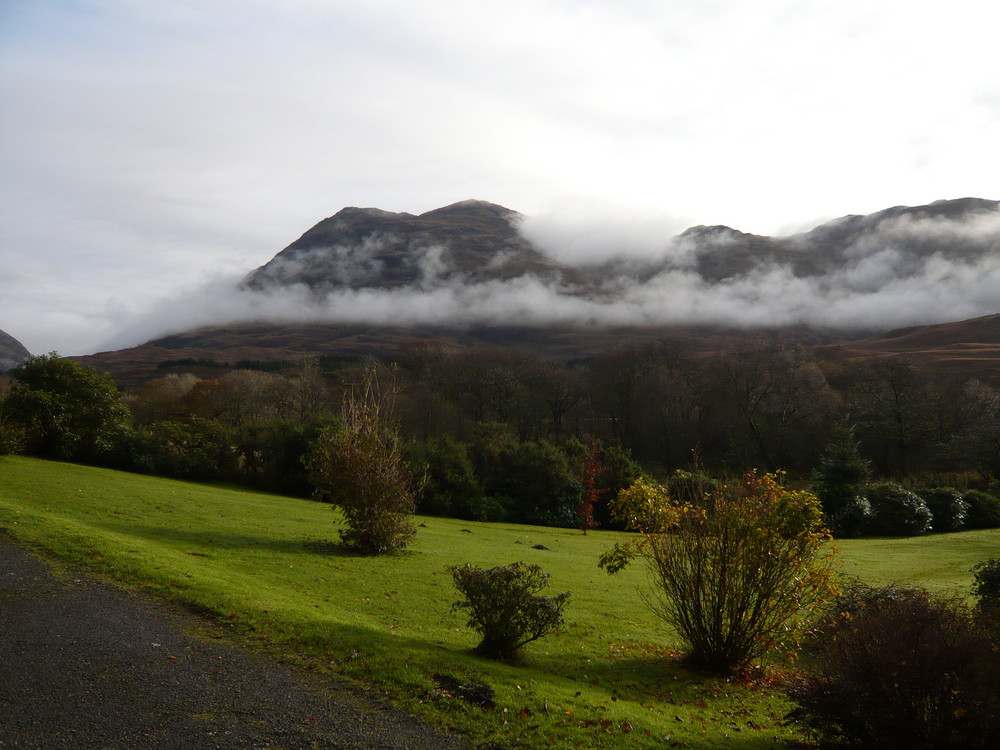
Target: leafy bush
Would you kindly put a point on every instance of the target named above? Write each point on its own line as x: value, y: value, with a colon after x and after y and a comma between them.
x: 896, y: 667
x: 948, y: 510
x: 984, y: 510
x: 359, y: 467
x: 735, y: 579
x: 504, y: 606
x: 986, y: 584
x: 897, y: 511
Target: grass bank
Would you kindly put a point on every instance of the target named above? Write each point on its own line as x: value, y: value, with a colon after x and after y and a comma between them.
x: 266, y: 568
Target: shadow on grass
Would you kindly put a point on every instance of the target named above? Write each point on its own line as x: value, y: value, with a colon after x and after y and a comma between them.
x: 208, y: 540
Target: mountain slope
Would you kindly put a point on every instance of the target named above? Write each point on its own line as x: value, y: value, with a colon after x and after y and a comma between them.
x: 12, y: 352
x: 963, y: 349
x: 471, y: 241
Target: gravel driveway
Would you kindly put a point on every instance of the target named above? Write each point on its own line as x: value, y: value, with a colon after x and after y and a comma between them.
x: 86, y: 665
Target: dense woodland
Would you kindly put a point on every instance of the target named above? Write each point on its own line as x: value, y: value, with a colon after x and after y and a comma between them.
x: 498, y: 434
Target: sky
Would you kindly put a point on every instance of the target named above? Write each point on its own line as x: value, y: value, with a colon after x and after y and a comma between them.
x: 153, y: 151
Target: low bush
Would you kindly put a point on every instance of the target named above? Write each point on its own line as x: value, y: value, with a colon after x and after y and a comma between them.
x: 986, y: 585
x: 896, y: 511
x: 948, y: 510
x: 504, y: 606
x: 984, y: 510
x: 896, y: 667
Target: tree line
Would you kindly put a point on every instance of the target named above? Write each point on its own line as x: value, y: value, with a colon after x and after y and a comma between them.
x: 500, y: 434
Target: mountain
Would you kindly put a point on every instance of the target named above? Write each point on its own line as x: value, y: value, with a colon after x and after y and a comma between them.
x: 472, y: 241
x: 367, y: 282
x: 12, y: 352
x: 475, y: 242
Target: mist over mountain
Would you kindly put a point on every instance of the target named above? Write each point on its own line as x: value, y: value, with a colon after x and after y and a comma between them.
x: 477, y: 264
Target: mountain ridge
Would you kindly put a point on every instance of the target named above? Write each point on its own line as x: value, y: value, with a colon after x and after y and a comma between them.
x: 472, y: 259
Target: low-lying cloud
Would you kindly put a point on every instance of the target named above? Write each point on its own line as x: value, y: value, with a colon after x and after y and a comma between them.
x: 876, y: 285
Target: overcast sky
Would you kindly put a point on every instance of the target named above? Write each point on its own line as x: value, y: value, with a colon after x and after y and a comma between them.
x: 150, y: 146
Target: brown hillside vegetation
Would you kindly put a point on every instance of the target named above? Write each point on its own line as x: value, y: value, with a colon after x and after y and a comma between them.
x: 964, y: 349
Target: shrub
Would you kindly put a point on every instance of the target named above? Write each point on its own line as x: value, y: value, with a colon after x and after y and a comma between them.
x: 359, y: 467
x: 984, y: 510
x: 504, y: 606
x: 896, y: 667
x: 986, y: 584
x: 735, y: 579
x: 948, y: 510
x: 897, y: 511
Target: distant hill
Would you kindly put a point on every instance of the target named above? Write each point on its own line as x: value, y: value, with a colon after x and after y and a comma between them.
x: 964, y: 349
x: 12, y: 352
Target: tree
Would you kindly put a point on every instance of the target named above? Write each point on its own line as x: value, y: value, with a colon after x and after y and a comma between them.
x: 840, y: 483
x: 736, y: 576
x: 65, y: 410
x: 777, y: 398
x: 359, y: 467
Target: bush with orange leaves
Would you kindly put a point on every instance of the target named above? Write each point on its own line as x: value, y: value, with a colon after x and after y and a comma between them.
x: 737, y: 574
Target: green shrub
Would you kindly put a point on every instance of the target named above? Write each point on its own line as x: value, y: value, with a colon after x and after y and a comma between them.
x: 984, y: 510
x: 948, y: 509
x: 504, y: 607
x: 986, y: 584
x: 896, y: 667
x: 897, y: 511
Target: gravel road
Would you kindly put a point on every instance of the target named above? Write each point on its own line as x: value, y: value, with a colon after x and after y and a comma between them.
x: 86, y: 665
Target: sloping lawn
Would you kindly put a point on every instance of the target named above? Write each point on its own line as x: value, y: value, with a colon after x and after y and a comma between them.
x: 268, y: 570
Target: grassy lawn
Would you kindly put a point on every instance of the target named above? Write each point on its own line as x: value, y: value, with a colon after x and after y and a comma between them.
x: 265, y: 567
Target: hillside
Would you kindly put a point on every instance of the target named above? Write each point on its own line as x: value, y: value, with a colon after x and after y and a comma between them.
x: 964, y: 349
x: 12, y: 352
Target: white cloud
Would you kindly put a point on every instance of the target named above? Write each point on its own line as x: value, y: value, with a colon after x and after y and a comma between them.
x: 146, y: 145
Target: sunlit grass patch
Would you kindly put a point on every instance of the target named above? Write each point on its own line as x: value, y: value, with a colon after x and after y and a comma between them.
x: 269, y: 571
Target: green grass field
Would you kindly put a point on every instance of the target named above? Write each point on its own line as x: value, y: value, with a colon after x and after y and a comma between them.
x: 265, y: 567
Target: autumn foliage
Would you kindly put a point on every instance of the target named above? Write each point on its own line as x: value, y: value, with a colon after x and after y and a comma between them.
x: 736, y: 574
